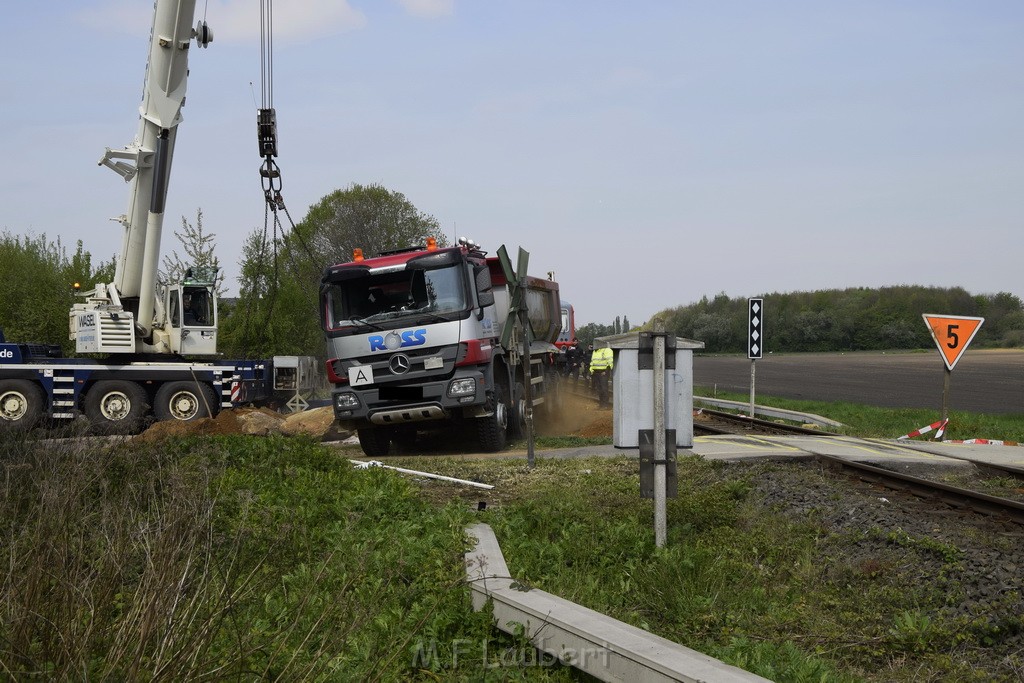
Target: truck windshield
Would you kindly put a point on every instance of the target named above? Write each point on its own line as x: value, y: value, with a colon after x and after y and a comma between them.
x: 396, y: 296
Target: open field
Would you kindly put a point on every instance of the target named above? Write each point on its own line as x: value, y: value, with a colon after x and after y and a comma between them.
x: 984, y: 381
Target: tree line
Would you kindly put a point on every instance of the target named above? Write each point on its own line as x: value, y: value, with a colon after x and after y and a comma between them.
x: 276, y: 310
x: 853, y: 319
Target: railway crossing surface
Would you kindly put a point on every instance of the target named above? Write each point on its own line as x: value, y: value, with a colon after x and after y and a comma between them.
x: 874, y: 451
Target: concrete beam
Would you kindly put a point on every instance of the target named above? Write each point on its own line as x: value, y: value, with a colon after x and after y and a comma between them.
x: 605, y: 648
x: 766, y: 411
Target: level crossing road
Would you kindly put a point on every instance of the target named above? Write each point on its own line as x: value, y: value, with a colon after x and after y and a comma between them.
x: 983, y: 381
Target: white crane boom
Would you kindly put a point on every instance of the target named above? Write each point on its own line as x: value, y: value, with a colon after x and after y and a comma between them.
x: 128, y: 315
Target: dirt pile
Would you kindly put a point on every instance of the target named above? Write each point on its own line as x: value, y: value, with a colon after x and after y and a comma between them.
x: 317, y: 423
x: 575, y: 415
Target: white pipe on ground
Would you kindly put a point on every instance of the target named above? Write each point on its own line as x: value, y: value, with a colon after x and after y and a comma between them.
x: 365, y: 464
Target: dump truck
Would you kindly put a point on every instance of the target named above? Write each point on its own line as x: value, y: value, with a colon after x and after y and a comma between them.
x: 433, y: 337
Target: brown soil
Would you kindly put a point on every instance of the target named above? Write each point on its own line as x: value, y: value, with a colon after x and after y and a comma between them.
x: 576, y: 416
x: 226, y: 422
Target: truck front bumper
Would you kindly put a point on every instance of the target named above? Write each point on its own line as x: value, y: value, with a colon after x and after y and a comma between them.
x: 464, y: 394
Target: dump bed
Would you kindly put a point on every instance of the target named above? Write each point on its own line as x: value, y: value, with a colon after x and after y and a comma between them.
x: 542, y: 303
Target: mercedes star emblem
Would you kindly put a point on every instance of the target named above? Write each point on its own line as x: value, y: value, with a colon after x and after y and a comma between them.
x: 399, y: 363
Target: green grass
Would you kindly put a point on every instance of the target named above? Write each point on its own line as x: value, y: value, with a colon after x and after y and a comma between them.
x: 253, y: 558
x: 233, y: 558
x: 890, y: 423
x: 776, y: 596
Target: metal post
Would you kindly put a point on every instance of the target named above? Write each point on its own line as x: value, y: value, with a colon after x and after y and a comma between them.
x: 660, y: 453
x: 752, y: 372
x: 524, y: 319
x: 945, y: 394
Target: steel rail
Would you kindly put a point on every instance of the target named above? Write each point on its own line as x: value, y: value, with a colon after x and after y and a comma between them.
x: 923, y: 488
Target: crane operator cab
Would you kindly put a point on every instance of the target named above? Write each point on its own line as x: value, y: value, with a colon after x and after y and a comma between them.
x: 192, y: 314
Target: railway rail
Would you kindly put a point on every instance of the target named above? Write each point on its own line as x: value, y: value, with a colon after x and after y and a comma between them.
x: 717, y: 422
x: 708, y: 421
x: 953, y: 496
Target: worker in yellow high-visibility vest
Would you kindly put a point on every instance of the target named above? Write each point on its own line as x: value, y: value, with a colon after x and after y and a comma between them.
x: 601, y: 367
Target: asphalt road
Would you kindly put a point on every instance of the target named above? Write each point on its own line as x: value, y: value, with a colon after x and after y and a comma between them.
x: 983, y: 381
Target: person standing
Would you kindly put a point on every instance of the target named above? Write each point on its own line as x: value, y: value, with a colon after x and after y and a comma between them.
x: 586, y: 364
x: 573, y: 358
x: 601, y: 367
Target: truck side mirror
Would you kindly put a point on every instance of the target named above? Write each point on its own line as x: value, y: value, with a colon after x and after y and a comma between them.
x: 484, y: 293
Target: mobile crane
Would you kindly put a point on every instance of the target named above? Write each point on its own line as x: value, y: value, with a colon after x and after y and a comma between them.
x: 143, y: 330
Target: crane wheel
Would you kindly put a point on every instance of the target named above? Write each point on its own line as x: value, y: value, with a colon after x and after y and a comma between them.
x: 21, y: 404
x: 116, y: 407
x: 183, y: 401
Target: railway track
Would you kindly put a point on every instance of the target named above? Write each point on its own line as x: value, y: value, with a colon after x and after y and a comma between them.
x: 953, y: 496
x: 960, y: 498
x: 707, y: 421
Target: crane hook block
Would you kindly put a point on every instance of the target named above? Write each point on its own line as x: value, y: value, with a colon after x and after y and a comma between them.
x: 203, y: 34
x: 266, y: 129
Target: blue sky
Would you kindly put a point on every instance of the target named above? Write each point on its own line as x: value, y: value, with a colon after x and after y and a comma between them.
x: 649, y: 152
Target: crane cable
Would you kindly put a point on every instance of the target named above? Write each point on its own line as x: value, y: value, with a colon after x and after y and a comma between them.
x: 270, y: 174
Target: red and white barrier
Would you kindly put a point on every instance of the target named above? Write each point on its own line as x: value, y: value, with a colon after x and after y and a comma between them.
x: 940, y: 426
x: 988, y: 442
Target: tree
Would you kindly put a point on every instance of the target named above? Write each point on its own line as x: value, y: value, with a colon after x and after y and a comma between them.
x: 369, y: 217
x: 852, y: 319
x: 277, y: 308
x: 591, y: 331
x: 36, y: 290
x: 199, y: 248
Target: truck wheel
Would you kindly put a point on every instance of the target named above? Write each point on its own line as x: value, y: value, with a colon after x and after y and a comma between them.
x: 183, y: 401
x: 492, y: 431
x: 517, y: 426
x: 21, y: 404
x: 116, y: 407
x: 374, y: 442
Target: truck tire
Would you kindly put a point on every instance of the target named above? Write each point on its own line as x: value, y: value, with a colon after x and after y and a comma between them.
x: 183, y: 401
x: 517, y: 417
x: 374, y: 442
x: 116, y: 407
x: 21, y: 404
x: 492, y: 431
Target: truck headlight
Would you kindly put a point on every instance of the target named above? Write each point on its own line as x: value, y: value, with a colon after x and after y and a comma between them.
x: 346, y: 401
x: 462, y: 387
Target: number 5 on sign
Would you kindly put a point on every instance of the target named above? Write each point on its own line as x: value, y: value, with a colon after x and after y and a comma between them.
x: 952, y: 334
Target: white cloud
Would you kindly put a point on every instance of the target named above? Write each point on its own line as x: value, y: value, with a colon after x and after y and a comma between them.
x: 236, y: 21
x: 294, y: 20
x: 429, y: 8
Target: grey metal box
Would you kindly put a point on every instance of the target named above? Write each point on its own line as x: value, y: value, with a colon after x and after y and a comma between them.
x: 633, y: 391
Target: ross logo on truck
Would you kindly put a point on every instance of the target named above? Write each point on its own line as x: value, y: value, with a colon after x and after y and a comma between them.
x: 396, y: 340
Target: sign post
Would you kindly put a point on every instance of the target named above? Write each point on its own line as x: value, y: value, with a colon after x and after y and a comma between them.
x: 952, y: 335
x: 658, y: 446
x: 755, y: 340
